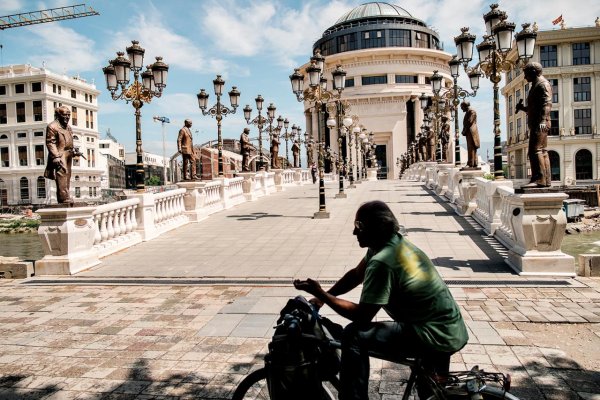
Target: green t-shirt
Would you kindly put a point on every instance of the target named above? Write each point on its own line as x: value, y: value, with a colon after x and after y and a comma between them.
x: 403, y: 280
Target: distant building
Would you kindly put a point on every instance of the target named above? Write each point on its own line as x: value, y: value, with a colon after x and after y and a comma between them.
x: 28, y: 97
x: 154, y: 166
x: 571, y: 61
x: 112, y: 163
x: 389, y: 56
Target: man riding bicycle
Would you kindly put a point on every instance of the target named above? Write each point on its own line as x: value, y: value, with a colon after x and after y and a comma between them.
x: 399, y: 277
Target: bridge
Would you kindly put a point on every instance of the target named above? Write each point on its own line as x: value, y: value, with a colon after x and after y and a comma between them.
x: 188, y: 310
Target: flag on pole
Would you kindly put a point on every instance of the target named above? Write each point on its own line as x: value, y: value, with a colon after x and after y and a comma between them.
x: 557, y: 20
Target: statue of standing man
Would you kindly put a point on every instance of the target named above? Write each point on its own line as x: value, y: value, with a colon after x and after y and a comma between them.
x: 296, y: 153
x: 186, y: 148
x: 445, y: 137
x: 59, y: 142
x: 246, y: 148
x: 539, y: 104
x: 471, y: 132
x: 275, y: 150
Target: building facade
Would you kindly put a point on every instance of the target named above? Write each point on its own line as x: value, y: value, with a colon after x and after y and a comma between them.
x: 570, y: 58
x: 154, y: 168
x: 28, y: 97
x: 112, y: 163
x: 389, y: 56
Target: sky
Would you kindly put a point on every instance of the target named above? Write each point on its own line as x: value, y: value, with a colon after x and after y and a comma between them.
x: 254, y: 45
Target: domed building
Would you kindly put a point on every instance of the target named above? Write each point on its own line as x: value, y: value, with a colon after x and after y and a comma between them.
x: 388, y: 56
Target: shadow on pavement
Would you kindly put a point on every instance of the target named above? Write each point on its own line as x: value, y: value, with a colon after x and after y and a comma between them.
x: 257, y: 215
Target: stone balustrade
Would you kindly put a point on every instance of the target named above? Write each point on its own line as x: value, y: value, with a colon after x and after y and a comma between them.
x: 77, y: 238
x: 531, y: 226
x: 115, y: 226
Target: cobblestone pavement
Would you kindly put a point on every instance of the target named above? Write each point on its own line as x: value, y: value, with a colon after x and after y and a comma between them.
x: 199, y: 341
x: 189, y: 314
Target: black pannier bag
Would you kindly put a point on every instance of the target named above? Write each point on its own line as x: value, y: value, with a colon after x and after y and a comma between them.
x: 300, y: 356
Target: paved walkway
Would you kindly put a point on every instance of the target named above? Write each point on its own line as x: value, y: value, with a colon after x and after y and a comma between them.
x: 189, y: 314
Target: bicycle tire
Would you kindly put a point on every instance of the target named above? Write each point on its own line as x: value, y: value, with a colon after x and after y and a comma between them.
x: 254, y: 386
x: 490, y: 393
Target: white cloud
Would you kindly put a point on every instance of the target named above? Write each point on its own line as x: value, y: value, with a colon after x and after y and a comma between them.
x: 11, y: 6
x: 178, y: 51
x: 79, y: 56
x: 270, y: 29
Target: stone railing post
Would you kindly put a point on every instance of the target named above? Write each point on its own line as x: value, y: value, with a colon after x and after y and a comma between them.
x: 67, y: 236
x: 278, y: 179
x: 533, y: 227
x: 452, y: 191
x: 145, y: 215
x: 442, y: 177
x: 371, y: 174
x: 193, y: 200
x: 467, y: 191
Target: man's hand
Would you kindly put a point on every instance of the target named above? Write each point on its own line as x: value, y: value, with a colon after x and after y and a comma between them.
x: 311, y: 286
x: 543, y: 127
x: 520, y: 106
x: 58, y: 164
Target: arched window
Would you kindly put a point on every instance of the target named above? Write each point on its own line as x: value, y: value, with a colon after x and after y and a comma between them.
x: 3, y: 193
x: 24, y: 186
x: 554, y: 165
x: 76, y: 178
x: 3, y: 137
x: 583, y: 165
x: 75, y: 137
x: 41, y: 187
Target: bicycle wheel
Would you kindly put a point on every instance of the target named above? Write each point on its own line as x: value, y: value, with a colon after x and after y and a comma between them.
x: 490, y: 393
x: 254, y: 386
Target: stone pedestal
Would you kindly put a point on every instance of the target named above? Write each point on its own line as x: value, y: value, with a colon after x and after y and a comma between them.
x: 297, y: 176
x: 193, y: 200
x: 371, y: 174
x: 67, y: 236
x: 538, y: 226
x: 467, y: 191
x: 249, y: 185
x: 429, y: 171
x: 278, y: 179
x: 145, y: 215
x: 443, y: 176
x: 452, y: 190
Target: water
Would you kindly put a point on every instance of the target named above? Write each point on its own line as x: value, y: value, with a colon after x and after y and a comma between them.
x: 26, y: 246
x: 581, y: 243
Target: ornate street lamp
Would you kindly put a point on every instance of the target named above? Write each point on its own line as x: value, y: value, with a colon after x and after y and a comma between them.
x: 287, y: 136
x: 219, y: 111
x: 317, y: 94
x: 259, y: 121
x: 493, y: 61
x: 153, y: 81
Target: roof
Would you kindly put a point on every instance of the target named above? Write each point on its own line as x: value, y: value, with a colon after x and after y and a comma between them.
x: 373, y: 9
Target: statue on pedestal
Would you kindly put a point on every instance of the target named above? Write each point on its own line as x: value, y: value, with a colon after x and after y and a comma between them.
x: 59, y: 142
x: 275, y: 150
x: 539, y: 104
x: 471, y: 133
x: 296, y: 153
x: 423, y: 147
x: 186, y: 147
x: 246, y: 148
x: 445, y: 137
x: 431, y: 143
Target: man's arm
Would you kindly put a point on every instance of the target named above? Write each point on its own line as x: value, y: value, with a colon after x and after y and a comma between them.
x: 361, y: 312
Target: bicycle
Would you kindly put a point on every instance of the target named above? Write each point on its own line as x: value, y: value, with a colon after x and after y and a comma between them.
x: 475, y: 384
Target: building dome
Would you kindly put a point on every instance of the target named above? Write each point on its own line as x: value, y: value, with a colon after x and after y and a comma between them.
x: 375, y: 9
x: 376, y: 25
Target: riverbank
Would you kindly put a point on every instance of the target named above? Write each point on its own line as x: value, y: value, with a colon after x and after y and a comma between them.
x: 589, y: 223
x: 10, y: 223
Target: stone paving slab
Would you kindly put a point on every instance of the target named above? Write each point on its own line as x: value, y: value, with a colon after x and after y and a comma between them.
x: 156, y: 341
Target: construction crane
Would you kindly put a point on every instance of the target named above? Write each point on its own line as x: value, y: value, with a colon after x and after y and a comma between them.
x: 49, y: 15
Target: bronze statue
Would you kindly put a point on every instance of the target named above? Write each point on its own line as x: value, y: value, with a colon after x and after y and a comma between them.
x: 296, y: 153
x: 431, y: 142
x: 186, y: 148
x: 445, y: 137
x: 246, y: 148
x: 275, y: 150
x: 471, y: 132
x: 539, y: 104
x: 423, y: 146
x: 59, y: 141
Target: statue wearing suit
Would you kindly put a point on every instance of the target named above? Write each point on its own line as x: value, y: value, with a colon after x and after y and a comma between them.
x: 471, y: 132
x: 186, y: 147
x: 539, y: 104
x: 59, y: 142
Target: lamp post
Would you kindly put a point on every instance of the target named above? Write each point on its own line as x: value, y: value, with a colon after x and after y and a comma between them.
x: 493, y: 60
x: 163, y: 120
x: 287, y: 136
x: 259, y: 121
x: 219, y: 111
x: 339, y: 108
x: 317, y: 94
x: 153, y: 81
x: 458, y: 93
